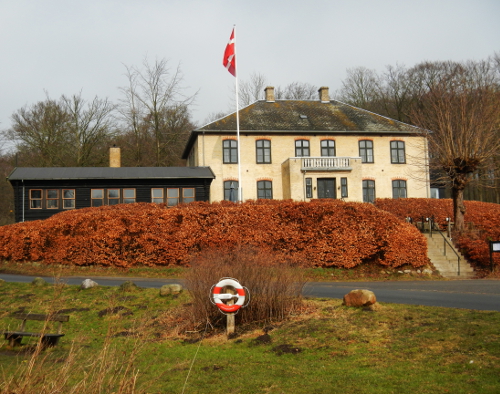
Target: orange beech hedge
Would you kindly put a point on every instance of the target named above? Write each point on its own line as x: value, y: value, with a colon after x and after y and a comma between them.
x: 320, y: 233
x: 474, y: 243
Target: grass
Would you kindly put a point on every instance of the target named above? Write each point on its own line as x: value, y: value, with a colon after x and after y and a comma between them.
x: 365, y: 272
x: 137, y: 342
x: 40, y: 269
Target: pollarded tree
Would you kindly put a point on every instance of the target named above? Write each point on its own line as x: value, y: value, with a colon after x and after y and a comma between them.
x: 459, y: 111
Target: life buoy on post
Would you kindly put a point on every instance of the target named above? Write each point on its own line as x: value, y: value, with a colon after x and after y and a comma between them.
x: 218, y: 297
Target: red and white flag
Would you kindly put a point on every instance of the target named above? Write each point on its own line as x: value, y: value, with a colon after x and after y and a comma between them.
x: 229, y: 60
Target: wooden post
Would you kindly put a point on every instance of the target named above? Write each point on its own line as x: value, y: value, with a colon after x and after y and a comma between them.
x: 230, y: 323
x: 230, y: 316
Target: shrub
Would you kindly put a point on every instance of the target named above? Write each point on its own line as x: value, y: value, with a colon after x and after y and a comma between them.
x: 274, y: 285
x: 482, y: 219
x: 315, y: 234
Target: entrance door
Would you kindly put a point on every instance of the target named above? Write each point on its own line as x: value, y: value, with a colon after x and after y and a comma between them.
x: 326, y: 188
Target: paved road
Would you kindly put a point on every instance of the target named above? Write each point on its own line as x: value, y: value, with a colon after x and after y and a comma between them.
x: 103, y: 281
x: 476, y: 294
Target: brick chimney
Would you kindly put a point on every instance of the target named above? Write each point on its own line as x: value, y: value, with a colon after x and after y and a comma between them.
x: 269, y: 94
x: 114, y: 157
x: 324, y: 97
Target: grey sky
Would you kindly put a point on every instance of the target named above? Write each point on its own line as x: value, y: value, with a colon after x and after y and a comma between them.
x: 68, y: 46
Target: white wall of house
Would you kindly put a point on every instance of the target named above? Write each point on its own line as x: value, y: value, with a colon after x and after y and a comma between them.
x: 287, y: 174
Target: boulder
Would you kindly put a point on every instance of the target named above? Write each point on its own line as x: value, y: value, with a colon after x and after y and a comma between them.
x: 38, y: 282
x: 170, y: 289
x: 373, y: 307
x: 128, y: 286
x: 359, y: 298
x: 88, y: 283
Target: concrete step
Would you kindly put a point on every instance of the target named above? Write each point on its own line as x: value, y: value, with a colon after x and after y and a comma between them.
x: 446, y: 265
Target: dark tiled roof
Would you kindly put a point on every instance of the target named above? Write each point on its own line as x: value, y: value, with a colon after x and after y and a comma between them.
x: 110, y: 173
x: 307, y: 116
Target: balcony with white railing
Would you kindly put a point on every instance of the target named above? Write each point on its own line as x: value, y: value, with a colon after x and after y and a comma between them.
x: 326, y: 164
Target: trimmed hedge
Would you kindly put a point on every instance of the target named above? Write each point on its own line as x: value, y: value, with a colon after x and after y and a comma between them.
x: 316, y: 234
x: 482, y: 220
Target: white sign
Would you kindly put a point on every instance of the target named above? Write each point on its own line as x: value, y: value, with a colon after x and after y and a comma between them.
x: 495, y: 246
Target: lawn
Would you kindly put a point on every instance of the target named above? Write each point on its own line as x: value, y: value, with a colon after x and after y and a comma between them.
x: 361, y: 272
x: 139, y: 342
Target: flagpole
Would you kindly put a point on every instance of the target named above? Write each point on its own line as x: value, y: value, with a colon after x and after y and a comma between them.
x: 240, y: 193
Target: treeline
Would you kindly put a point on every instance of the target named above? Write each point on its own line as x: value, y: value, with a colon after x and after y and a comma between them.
x: 151, y: 123
x: 458, y: 102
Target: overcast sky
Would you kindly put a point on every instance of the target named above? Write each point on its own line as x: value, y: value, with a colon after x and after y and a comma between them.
x: 68, y: 46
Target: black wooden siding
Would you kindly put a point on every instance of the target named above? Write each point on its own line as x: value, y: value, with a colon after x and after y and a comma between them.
x: 83, y: 189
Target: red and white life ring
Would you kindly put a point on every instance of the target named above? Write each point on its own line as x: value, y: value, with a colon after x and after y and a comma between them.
x: 218, y: 297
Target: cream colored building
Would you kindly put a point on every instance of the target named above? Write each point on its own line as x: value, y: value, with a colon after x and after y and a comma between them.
x: 309, y: 149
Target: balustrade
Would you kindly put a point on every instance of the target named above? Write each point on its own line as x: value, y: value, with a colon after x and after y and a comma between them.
x: 325, y: 163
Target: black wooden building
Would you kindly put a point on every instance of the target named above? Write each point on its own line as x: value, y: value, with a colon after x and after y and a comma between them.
x: 42, y: 192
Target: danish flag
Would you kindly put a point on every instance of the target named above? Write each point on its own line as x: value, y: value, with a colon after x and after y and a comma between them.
x: 229, y: 60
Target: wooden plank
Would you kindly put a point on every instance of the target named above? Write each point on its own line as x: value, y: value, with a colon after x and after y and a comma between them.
x: 8, y: 334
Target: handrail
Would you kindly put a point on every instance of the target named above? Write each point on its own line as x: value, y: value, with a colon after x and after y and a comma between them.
x: 445, y: 242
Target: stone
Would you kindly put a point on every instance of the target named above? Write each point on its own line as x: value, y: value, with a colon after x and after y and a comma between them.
x: 359, y: 298
x: 88, y: 284
x: 427, y: 271
x: 170, y: 289
x: 39, y: 282
x: 373, y: 307
x: 407, y: 271
x: 128, y: 286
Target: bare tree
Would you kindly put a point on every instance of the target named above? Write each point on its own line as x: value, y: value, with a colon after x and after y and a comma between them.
x: 212, y: 117
x: 361, y: 88
x: 91, y: 124
x: 6, y: 191
x: 459, y: 111
x: 395, y: 93
x: 296, y: 91
x: 68, y: 132
x: 40, y: 133
x: 251, y: 90
x: 153, y: 95
x: 175, y: 119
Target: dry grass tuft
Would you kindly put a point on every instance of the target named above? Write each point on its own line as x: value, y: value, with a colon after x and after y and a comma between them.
x: 274, y: 285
